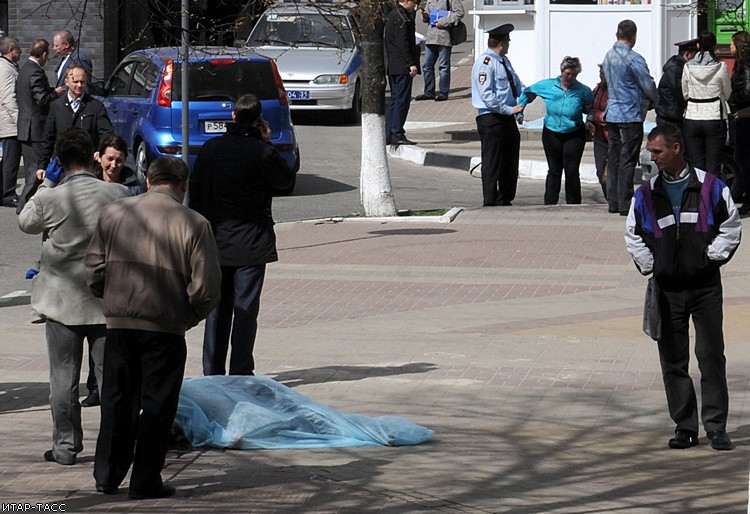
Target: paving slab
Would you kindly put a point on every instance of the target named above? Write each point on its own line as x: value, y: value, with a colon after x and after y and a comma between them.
x: 514, y: 333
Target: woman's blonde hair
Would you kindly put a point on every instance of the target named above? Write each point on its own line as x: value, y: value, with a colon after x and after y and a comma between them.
x: 571, y: 63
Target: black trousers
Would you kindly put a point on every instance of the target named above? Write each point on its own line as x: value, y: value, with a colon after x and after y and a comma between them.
x: 625, y: 141
x: 236, y: 315
x: 31, y: 183
x: 501, y: 143
x: 143, y: 374
x: 704, y: 304
x: 563, y: 152
x: 11, y: 163
x: 704, y: 143
x: 398, y: 108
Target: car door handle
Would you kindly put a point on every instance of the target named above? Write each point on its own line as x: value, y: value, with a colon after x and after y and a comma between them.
x: 135, y: 112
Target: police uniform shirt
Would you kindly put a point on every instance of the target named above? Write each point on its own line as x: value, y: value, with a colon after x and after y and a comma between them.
x: 490, y: 87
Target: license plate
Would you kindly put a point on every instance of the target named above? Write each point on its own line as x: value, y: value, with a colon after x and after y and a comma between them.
x: 298, y: 95
x: 214, y: 127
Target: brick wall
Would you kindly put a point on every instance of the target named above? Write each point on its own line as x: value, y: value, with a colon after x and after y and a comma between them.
x: 33, y: 19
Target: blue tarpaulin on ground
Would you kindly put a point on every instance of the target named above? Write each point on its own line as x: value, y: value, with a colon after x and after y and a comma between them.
x: 246, y: 412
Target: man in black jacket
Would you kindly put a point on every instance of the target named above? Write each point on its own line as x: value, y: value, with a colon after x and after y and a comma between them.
x: 672, y: 103
x: 34, y: 95
x: 682, y: 227
x: 403, y: 66
x: 232, y: 185
x: 78, y: 109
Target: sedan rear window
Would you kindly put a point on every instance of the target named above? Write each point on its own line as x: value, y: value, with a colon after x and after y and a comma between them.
x: 227, y: 79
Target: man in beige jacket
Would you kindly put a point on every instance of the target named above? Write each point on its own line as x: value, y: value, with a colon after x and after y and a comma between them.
x: 10, y: 54
x: 66, y: 213
x: 156, y: 264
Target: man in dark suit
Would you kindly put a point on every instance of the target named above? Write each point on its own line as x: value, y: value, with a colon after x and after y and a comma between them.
x: 76, y: 108
x: 232, y: 185
x: 403, y: 66
x: 34, y: 95
x: 65, y: 47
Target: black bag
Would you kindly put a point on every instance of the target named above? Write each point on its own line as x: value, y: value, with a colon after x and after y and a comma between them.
x: 651, y: 312
x: 458, y: 33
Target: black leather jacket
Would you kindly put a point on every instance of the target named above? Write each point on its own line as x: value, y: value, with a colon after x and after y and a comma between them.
x: 740, y: 97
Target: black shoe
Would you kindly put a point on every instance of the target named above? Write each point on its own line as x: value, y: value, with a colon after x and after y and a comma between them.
x: 744, y: 209
x: 613, y: 210
x: 50, y: 457
x: 13, y: 203
x: 441, y: 98
x: 423, y: 96
x: 164, y: 491
x: 683, y: 439
x: 106, y: 489
x: 92, y: 400
x: 720, y: 440
x: 402, y: 141
x: 623, y: 213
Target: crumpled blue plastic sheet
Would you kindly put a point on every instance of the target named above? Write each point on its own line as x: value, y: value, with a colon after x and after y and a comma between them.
x: 252, y: 412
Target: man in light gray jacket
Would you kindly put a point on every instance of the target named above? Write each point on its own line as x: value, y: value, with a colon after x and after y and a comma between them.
x: 10, y: 54
x: 440, y: 15
x: 66, y: 213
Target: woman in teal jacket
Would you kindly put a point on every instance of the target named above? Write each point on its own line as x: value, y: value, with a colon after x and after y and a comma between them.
x: 564, y: 134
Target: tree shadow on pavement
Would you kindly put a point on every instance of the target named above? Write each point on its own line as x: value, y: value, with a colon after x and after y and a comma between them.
x: 17, y: 396
x: 326, y: 374
x: 412, y: 231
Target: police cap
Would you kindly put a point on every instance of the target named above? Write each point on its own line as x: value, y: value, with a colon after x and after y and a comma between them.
x: 502, y: 32
x: 689, y: 44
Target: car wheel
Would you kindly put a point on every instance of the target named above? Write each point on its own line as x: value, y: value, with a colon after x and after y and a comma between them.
x: 354, y: 115
x: 141, y: 162
x: 730, y: 174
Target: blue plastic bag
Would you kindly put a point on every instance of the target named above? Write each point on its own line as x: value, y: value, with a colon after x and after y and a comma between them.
x: 245, y: 412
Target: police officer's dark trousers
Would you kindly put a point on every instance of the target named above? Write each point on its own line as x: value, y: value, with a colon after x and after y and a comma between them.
x: 704, y: 304
x: 500, y: 148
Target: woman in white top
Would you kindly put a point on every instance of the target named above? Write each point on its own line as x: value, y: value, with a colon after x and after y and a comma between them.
x: 706, y: 87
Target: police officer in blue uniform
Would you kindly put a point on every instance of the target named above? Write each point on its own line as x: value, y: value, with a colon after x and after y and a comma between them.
x: 494, y: 93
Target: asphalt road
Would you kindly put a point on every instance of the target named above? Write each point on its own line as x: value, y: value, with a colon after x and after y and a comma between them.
x: 328, y: 180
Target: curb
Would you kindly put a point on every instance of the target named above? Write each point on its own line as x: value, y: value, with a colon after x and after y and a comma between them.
x: 448, y: 217
x: 527, y: 168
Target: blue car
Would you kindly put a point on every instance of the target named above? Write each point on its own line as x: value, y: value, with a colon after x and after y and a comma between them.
x: 143, y: 99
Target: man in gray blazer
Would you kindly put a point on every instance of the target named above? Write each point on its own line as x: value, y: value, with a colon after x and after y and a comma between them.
x: 66, y: 208
x: 34, y: 95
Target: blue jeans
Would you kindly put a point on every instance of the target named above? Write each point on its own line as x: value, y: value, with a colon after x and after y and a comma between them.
x: 441, y: 54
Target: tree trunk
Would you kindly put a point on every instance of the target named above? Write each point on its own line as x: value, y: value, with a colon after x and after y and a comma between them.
x: 375, y: 188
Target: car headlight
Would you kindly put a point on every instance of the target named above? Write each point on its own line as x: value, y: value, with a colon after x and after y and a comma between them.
x: 331, y: 79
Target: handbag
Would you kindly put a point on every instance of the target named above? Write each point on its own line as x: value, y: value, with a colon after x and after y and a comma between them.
x: 457, y: 32
x: 651, y: 312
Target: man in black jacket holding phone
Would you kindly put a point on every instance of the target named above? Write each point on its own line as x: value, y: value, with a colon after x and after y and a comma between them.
x: 233, y: 182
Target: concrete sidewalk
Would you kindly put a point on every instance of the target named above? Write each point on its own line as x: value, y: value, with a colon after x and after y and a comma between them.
x: 514, y: 333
